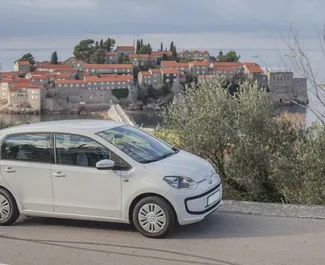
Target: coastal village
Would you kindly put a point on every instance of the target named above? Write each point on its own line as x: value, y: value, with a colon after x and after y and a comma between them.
x: 74, y: 85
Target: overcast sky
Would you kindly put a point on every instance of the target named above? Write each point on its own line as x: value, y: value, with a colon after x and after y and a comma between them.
x: 191, y: 23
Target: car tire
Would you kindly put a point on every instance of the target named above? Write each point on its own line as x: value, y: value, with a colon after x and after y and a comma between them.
x: 154, y: 217
x: 9, y: 212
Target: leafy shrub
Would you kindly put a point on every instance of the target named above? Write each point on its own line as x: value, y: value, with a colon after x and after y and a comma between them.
x: 259, y: 155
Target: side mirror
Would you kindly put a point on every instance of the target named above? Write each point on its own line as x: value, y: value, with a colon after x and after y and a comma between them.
x: 105, y: 164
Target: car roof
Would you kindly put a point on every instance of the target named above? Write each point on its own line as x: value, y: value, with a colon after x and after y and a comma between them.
x: 84, y: 126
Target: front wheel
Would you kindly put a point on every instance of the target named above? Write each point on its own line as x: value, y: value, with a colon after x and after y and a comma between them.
x: 153, y: 217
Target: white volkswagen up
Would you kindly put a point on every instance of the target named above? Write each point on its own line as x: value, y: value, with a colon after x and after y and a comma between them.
x: 103, y: 171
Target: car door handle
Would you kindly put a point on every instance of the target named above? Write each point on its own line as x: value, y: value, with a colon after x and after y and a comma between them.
x: 59, y: 175
x: 10, y: 170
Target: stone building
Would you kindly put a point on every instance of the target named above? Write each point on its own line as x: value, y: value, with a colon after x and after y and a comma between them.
x: 124, y: 50
x: 111, y: 57
x: 143, y: 59
x: 199, y: 68
x: 108, y: 68
x: 194, y: 55
x: 22, y: 66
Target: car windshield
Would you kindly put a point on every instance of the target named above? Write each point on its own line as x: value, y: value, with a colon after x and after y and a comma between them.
x: 137, y: 144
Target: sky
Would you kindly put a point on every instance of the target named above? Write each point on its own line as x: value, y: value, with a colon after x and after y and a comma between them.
x: 241, y: 24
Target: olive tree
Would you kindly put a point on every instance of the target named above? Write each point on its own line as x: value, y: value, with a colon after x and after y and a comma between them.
x: 240, y: 135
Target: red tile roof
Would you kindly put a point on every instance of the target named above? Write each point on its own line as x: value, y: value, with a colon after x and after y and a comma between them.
x: 170, y: 71
x: 23, y: 62
x: 253, y: 67
x: 108, y: 66
x: 141, y: 56
x: 226, y: 64
x: 10, y: 74
x: 168, y: 63
x: 111, y: 53
x: 145, y: 73
x: 124, y: 48
x: 155, y: 70
x: 203, y: 63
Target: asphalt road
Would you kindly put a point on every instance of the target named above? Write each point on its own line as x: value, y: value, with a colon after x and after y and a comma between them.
x: 223, y: 239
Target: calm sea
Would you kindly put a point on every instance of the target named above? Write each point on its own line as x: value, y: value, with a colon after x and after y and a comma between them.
x: 266, y: 58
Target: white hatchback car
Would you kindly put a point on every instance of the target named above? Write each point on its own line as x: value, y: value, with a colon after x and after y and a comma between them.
x: 103, y: 171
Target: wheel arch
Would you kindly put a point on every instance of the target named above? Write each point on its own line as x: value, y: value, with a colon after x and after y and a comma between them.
x: 144, y: 195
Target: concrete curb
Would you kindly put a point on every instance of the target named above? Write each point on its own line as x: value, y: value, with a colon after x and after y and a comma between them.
x: 273, y: 209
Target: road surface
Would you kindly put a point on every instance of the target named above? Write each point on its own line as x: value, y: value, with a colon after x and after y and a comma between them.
x: 223, y: 239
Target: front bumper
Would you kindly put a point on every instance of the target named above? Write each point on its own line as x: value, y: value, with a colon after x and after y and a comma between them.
x: 192, y: 206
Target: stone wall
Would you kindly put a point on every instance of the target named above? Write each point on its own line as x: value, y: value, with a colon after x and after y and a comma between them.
x: 116, y: 113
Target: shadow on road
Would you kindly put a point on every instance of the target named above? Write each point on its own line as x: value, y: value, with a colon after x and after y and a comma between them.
x: 220, y: 225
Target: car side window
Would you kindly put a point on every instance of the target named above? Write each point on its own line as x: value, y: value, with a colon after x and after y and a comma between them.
x: 82, y: 151
x: 27, y: 147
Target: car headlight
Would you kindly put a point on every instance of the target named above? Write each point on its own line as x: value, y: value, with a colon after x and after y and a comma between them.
x: 179, y: 182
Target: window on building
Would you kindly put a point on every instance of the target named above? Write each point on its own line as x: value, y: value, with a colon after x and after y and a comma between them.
x: 28, y: 147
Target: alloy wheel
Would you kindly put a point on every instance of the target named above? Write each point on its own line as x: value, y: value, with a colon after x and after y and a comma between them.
x: 152, y: 218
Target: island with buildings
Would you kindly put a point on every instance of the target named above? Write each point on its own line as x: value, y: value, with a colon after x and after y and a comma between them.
x: 132, y: 79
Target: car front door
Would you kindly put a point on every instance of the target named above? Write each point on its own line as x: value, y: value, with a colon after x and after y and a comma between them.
x: 79, y: 187
x: 25, y: 165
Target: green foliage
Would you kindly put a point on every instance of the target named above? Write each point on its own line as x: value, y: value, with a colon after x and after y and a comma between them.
x: 98, y: 57
x: 86, y: 48
x: 54, y: 58
x: 171, y: 48
x: 27, y: 57
x: 161, y: 47
x: 120, y: 93
x: 142, y: 48
x: 259, y: 156
x: 230, y: 56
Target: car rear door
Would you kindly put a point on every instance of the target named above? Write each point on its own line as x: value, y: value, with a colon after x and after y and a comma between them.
x: 25, y: 166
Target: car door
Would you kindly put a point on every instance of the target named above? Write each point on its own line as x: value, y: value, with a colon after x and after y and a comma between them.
x: 79, y: 187
x: 25, y: 166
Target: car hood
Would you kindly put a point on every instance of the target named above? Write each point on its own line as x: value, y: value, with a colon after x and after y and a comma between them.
x: 182, y: 164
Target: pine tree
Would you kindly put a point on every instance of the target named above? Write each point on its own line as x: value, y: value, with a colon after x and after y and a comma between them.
x: 54, y: 58
x: 174, y: 51
x: 138, y: 47
x: 171, y: 46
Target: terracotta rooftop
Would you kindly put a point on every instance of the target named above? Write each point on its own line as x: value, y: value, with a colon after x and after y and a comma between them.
x: 23, y: 62
x: 10, y: 74
x: 168, y: 63
x: 108, y: 66
x: 227, y: 64
x: 170, y: 71
x: 253, y: 67
x: 155, y: 70
x: 53, y: 66
x: 111, y: 53
x: 203, y: 63
x: 145, y: 73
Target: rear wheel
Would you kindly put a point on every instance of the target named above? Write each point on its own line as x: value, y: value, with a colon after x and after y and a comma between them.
x: 153, y: 217
x: 9, y: 212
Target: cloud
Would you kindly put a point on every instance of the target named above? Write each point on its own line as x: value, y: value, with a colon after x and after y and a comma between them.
x: 255, y: 19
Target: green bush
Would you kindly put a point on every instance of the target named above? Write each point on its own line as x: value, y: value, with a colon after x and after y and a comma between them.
x: 120, y: 92
x: 259, y: 156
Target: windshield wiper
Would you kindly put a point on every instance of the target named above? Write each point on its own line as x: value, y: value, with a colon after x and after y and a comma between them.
x: 160, y: 158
